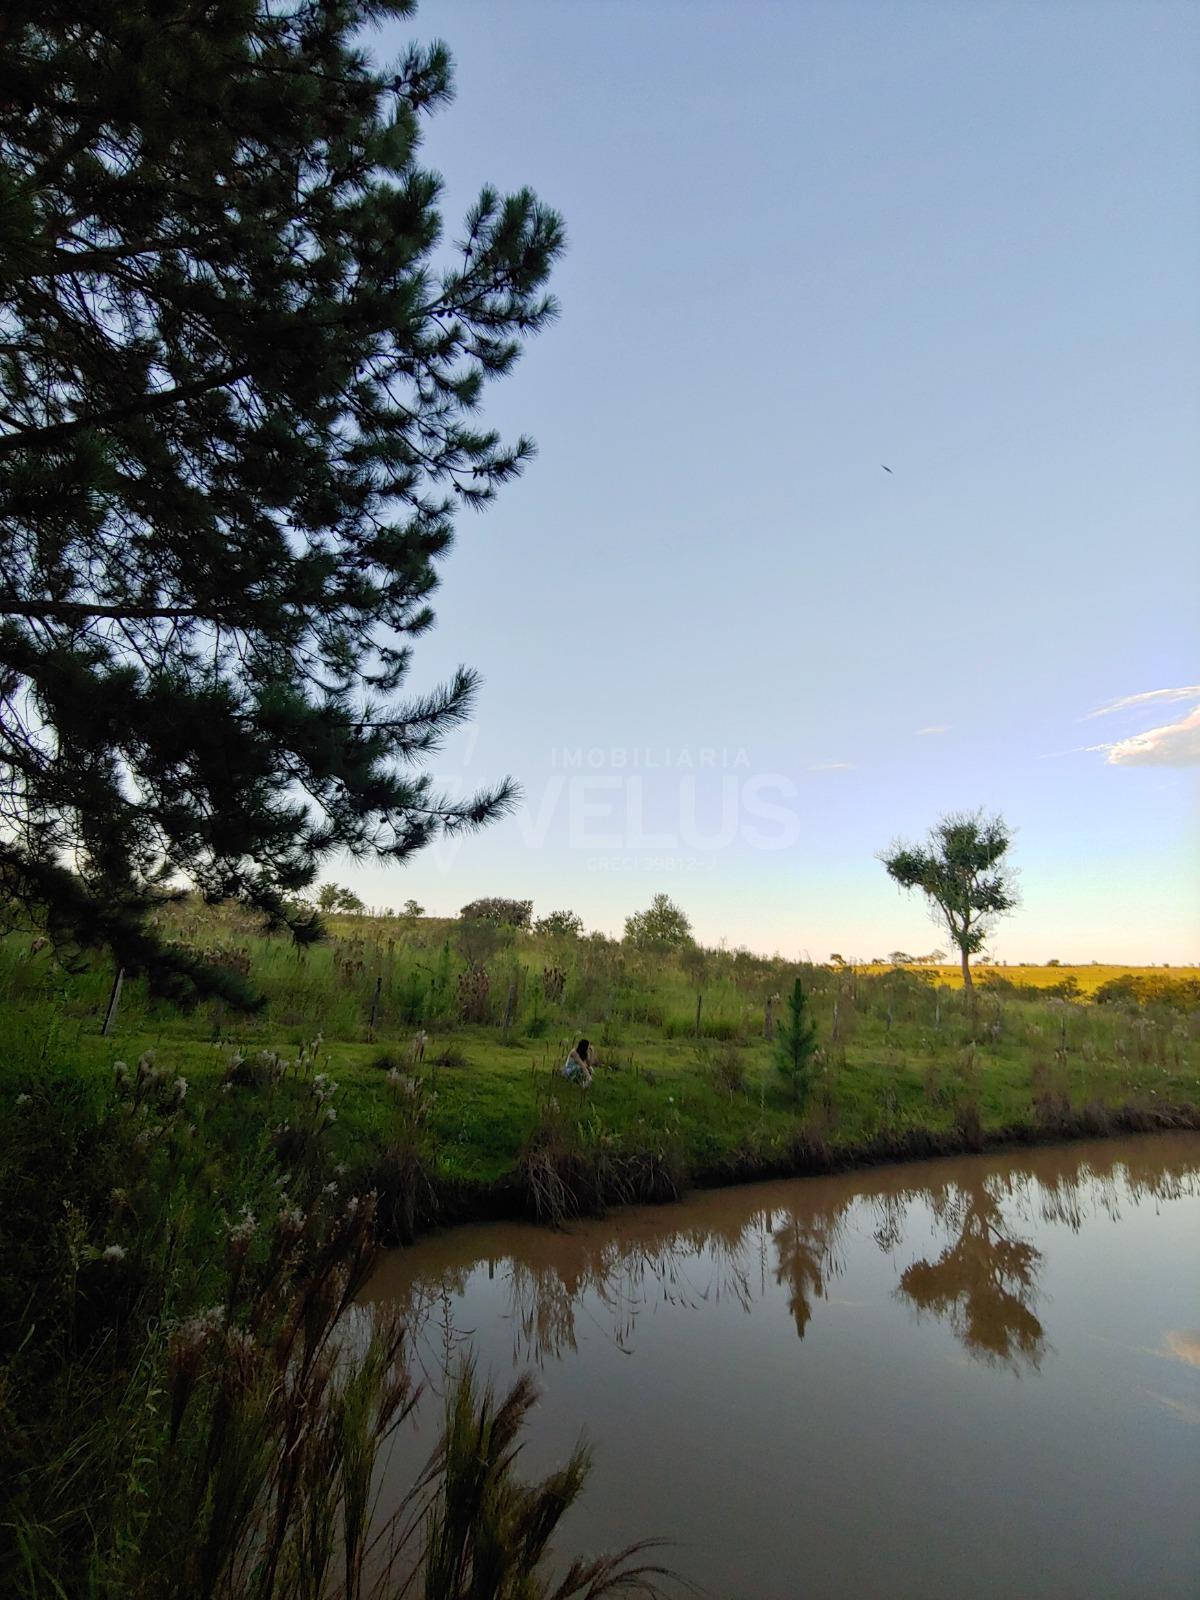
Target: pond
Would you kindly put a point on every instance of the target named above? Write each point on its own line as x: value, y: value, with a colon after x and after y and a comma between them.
x: 968, y: 1377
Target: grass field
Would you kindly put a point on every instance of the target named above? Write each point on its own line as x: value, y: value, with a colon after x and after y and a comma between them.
x: 899, y: 1049
x: 1089, y: 977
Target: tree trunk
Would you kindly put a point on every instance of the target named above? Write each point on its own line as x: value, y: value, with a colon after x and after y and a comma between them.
x: 968, y: 984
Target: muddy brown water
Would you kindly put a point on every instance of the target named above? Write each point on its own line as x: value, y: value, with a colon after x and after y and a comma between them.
x: 968, y: 1377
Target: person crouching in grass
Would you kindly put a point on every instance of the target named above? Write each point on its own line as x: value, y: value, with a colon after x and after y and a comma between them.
x: 579, y: 1066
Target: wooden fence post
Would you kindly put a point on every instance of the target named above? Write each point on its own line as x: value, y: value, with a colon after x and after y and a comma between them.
x: 110, y: 1016
x: 374, y: 1009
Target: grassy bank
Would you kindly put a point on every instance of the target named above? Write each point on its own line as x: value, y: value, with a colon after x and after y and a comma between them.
x: 687, y: 1088
x: 192, y: 1402
x: 189, y: 1202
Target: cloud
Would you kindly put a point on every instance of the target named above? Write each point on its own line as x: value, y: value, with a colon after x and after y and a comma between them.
x: 1187, y: 692
x: 1176, y: 744
x: 923, y: 733
x: 1184, y: 1345
x: 832, y: 766
x: 1173, y: 744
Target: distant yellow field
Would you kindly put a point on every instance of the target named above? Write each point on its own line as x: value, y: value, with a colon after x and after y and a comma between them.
x: 1089, y: 978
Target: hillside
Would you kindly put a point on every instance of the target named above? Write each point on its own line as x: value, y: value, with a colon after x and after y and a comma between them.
x: 687, y: 1074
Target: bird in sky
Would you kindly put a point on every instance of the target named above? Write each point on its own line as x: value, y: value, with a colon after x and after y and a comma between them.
x: 887, y: 469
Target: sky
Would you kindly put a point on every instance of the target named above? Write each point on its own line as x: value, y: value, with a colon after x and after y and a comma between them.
x: 729, y: 656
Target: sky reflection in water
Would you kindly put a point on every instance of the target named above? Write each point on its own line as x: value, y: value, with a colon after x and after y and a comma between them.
x: 972, y: 1376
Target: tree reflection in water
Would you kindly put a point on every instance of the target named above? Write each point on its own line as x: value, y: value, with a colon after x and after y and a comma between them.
x: 984, y: 1282
x: 733, y: 1244
x: 807, y: 1257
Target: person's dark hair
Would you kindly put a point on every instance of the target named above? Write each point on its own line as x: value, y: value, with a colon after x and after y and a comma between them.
x: 581, y: 1049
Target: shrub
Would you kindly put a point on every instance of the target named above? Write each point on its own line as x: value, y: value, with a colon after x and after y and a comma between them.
x: 722, y: 1029
x: 402, y: 1178
x: 256, y: 1071
x: 662, y: 926
x: 474, y: 995
x: 1067, y: 989
x: 195, y: 1416
x: 499, y: 912
x: 1049, y: 1093
x: 1130, y: 989
x: 997, y: 985
x: 727, y: 1071
x: 968, y: 1124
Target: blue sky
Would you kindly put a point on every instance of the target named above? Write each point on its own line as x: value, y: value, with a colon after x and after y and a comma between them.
x: 808, y: 241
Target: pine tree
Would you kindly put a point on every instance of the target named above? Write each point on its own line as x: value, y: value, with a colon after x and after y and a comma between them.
x: 239, y: 373
x: 796, y: 1045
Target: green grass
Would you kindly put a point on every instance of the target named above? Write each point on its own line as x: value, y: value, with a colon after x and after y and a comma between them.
x: 903, y: 1053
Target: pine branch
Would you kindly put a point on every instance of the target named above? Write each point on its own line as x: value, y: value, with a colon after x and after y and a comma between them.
x: 145, y: 405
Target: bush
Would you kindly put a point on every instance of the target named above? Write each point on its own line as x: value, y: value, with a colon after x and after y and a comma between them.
x: 499, y: 912
x: 722, y: 1029
x: 727, y: 1071
x: 1068, y: 989
x: 195, y: 1408
x: 995, y: 984
x: 451, y: 1056
x: 1130, y: 989
x: 662, y: 926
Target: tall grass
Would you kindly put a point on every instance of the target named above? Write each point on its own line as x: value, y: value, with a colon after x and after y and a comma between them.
x: 193, y: 1404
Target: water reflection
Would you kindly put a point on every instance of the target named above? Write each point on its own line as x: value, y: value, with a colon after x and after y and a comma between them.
x: 807, y: 1258
x: 761, y: 1368
x: 979, y: 1275
x: 984, y: 1283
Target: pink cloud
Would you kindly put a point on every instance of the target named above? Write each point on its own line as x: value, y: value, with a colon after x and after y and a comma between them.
x: 1175, y: 744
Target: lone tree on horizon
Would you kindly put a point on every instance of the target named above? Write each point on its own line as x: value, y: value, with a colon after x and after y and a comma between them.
x: 239, y: 375
x: 963, y: 874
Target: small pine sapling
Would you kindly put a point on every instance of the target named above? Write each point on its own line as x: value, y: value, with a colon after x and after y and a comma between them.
x: 796, y: 1045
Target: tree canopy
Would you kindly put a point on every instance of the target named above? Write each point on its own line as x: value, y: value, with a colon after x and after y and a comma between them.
x: 963, y: 874
x: 335, y: 897
x: 561, y: 924
x: 240, y: 367
x: 662, y: 926
x: 497, y: 909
